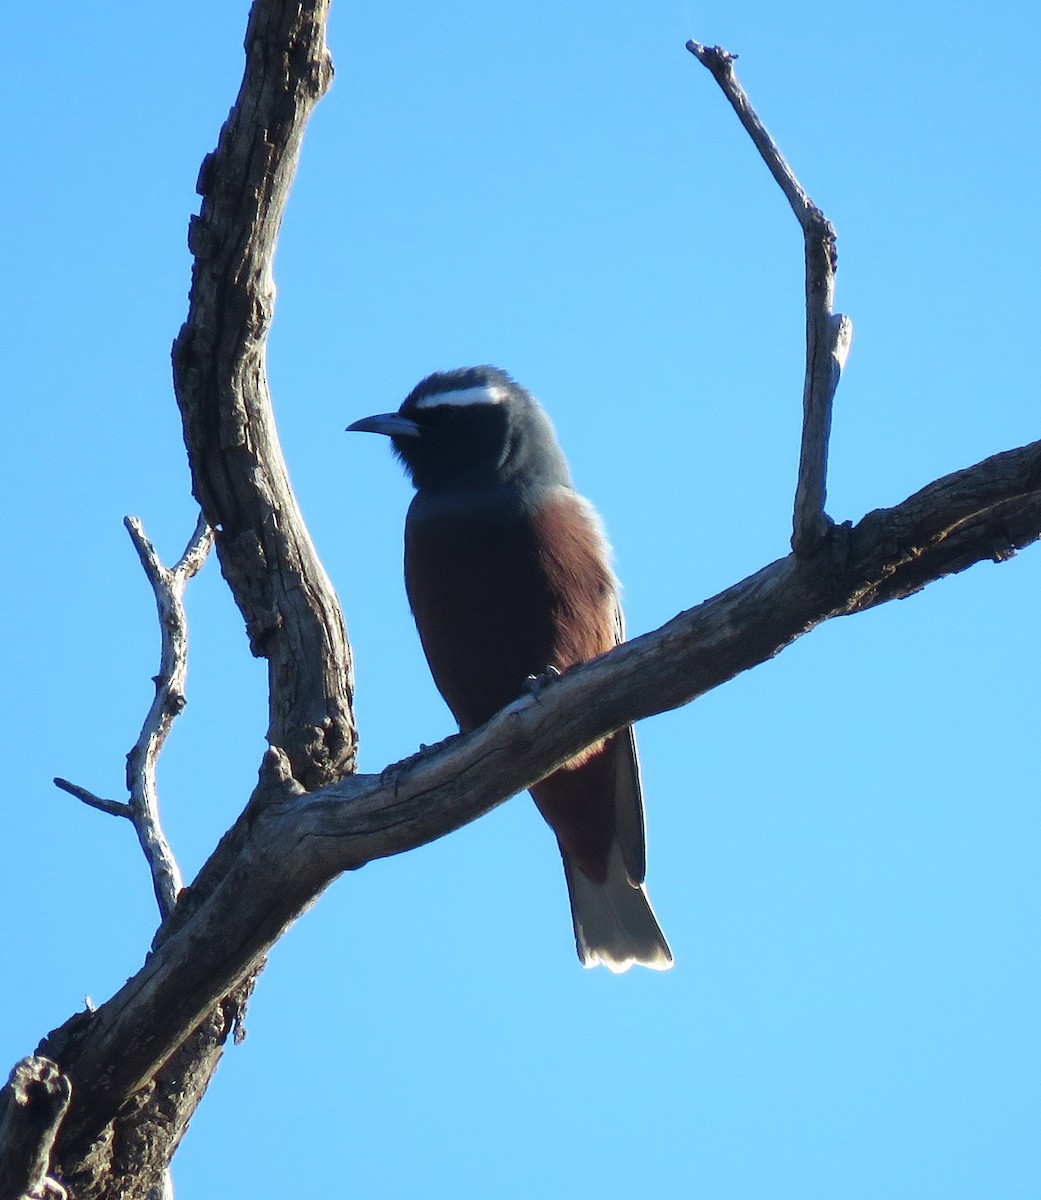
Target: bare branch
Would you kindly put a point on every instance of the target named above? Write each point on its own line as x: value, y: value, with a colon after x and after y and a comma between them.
x: 168, y: 586
x: 114, y: 808
x: 133, y: 1158
x: 828, y: 334
x: 171, y: 1017
x: 146, y: 1154
x: 143, y: 808
x: 984, y: 513
x: 288, y: 844
x: 720, y: 63
x: 32, y: 1107
x: 238, y: 473
x: 199, y: 545
x: 239, y: 476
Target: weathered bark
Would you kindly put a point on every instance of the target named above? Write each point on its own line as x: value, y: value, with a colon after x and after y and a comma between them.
x: 828, y: 334
x: 288, y: 844
x: 32, y: 1106
x: 139, y: 1064
x: 132, y: 1156
x: 239, y: 476
x: 142, y: 809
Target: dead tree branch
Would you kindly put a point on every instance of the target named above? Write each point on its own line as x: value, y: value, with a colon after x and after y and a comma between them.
x: 828, y: 334
x: 145, y: 1155
x: 114, y: 808
x: 32, y: 1106
x: 239, y: 476
x: 168, y: 584
x: 289, y: 845
x: 309, y: 819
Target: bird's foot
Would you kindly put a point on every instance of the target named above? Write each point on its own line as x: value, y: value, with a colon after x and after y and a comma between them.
x: 396, y: 770
x: 534, y: 684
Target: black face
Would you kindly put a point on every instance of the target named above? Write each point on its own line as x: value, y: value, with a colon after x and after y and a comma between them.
x: 472, y: 428
x: 458, y: 444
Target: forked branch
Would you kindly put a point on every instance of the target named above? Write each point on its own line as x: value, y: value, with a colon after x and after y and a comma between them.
x: 168, y: 584
x: 239, y: 477
x: 290, y: 842
x: 828, y: 334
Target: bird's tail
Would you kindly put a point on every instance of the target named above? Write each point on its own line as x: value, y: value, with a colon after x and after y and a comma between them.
x: 614, y: 922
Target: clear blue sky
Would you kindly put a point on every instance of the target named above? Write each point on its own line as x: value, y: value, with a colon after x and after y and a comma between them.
x: 844, y: 843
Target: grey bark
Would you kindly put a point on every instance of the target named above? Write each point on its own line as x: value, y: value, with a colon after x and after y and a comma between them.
x: 142, y: 810
x: 32, y: 1106
x: 292, y: 615
x: 239, y: 476
x: 139, y: 1064
x: 289, y: 844
x: 828, y: 334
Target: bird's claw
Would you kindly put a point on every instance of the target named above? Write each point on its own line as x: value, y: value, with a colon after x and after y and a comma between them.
x: 396, y: 770
x: 534, y: 684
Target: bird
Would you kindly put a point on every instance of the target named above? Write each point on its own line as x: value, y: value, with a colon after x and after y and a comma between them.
x: 508, y: 575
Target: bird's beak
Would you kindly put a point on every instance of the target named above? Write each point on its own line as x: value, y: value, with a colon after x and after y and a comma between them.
x: 390, y: 424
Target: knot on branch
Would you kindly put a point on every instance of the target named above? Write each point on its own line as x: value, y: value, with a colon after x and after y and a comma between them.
x: 276, y: 782
x: 200, y: 238
x: 32, y: 1107
x: 821, y: 235
x: 719, y: 61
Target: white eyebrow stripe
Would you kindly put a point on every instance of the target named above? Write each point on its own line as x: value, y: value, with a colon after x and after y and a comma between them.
x: 486, y: 394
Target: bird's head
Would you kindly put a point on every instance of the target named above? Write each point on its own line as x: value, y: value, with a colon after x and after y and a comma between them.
x: 471, y: 428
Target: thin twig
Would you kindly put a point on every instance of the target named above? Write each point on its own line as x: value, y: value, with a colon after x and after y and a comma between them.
x: 114, y: 808
x: 143, y: 808
x: 828, y: 334
x: 168, y: 586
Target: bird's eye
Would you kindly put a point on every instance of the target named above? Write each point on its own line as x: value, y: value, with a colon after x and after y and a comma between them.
x: 447, y: 416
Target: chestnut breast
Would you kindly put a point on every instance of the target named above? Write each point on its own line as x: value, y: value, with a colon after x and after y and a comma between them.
x: 503, y: 588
